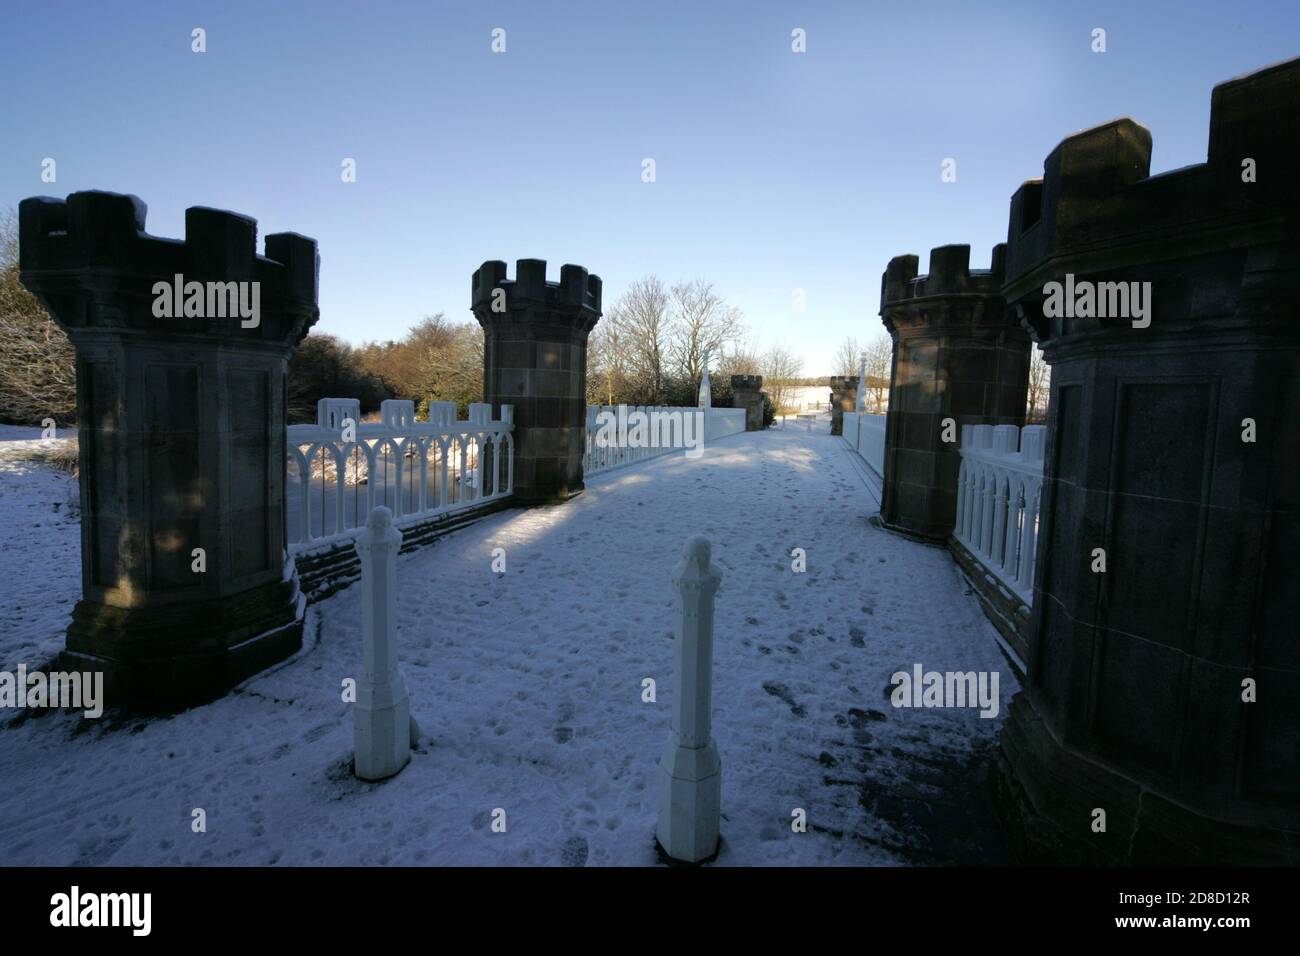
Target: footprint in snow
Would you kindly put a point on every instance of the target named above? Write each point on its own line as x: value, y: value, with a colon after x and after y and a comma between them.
x: 574, y: 851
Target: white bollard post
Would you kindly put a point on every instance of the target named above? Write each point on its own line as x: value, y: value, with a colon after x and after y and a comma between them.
x: 690, y: 772
x: 383, y: 732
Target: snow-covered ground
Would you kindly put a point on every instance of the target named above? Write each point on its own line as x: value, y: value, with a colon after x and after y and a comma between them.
x: 40, y: 551
x: 528, y: 686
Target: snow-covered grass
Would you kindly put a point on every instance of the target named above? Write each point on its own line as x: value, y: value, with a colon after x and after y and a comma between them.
x: 40, y: 562
x: 528, y: 686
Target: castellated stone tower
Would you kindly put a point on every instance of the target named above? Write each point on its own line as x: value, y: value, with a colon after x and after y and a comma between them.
x: 960, y: 354
x: 844, y: 398
x: 1173, y: 449
x: 747, y: 393
x: 535, y: 358
x: 182, y: 443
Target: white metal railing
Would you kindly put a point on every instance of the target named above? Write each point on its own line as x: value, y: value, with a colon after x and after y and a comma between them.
x: 600, y: 457
x: 999, y: 494
x: 416, y: 469
x: 660, y: 438
x: 866, y: 435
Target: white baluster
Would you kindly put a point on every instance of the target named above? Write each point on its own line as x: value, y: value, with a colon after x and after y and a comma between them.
x: 304, y: 492
x: 424, y: 444
x: 444, y: 448
x: 986, y: 521
x: 463, y: 466
x: 1009, y: 549
x: 999, y: 519
x: 1029, y: 538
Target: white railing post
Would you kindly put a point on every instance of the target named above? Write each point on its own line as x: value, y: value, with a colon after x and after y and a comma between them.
x: 690, y: 771
x: 382, y: 729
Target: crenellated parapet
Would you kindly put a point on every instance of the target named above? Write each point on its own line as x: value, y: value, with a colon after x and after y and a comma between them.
x: 950, y: 284
x: 575, y: 298
x: 950, y: 274
x: 752, y: 383
x: 92, y: 265
x: 1098, y: 213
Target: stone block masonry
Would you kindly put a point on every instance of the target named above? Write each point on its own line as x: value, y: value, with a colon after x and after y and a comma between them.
x: 959, y: 354
x: 747, y: 393
x: 535, y: 358
x: 1164, y: 671
x: 844, y: 398
x: 186, y: 589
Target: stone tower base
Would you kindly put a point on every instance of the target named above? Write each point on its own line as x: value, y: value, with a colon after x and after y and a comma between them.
x: 227, y: 641
x: 1048, y: 794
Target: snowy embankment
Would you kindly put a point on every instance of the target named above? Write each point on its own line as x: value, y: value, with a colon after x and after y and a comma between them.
x: 528, y: 686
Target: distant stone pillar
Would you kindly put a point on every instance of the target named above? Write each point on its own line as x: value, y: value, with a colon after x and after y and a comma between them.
x: 690, y: 771
x: 535, y: 358
x: 182, y: 440
x: 747, y: 393
x: 1165, y: 689
x: 960, y: 354
x: 861, y: 405
x: 844, y: 398
x: 382, y: 730
x: 706, y: 387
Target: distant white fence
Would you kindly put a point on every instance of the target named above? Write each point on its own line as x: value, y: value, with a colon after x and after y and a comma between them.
x: 718, y: 423
x: 866, y: 435
x: 416, y: 469
x: 999, y: 494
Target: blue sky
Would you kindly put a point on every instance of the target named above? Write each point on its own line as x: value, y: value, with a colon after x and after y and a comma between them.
x: 775, y: 170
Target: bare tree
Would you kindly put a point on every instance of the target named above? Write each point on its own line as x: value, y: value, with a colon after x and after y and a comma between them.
x: 742, y: 357
x: 880, y: 359
x: 847, y: 357
x: 604, y: 361
x: 780, y: 368
x: 702, y: 325
x: 1040, y: 386
x: 641, y: 327
x: 38, y: 378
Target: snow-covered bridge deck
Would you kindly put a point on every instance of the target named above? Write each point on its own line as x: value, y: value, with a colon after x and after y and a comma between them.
x: 528, y: 686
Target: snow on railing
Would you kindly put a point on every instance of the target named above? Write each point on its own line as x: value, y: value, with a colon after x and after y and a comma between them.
x: 866, y: 435
x: 416, y: 469
x: 999, y: 493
